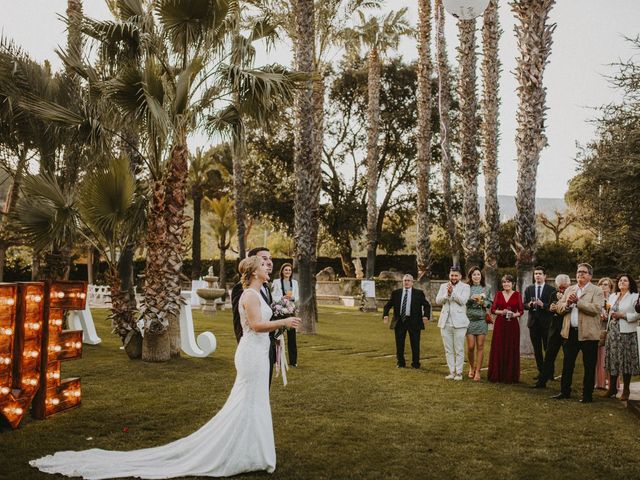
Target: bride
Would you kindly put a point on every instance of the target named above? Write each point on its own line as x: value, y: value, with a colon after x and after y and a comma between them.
x: 238, y: 439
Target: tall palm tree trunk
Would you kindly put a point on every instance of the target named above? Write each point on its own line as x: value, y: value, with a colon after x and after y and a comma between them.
x: 307, y: 170
x: 423, y: 158
x: 444, y: 107
x: 373, y: 127
x: 196, y: 234
x: 468, y: 139
x: 534, y: 36
x: 238, y: 152
x: 318, y: 137
x: 72, y: 150
x: 239, y: 149
x: 156, y: 345
x: 176, y: 198
x: 165, y: 248
x: 534, y: 44
x: 489, y: 131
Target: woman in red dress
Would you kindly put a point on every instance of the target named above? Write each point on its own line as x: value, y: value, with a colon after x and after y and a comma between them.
x: 504, y: 361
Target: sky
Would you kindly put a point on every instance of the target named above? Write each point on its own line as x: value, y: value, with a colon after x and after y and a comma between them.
x: 590, y: 35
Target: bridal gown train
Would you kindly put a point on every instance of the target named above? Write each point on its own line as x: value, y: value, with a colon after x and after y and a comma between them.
x: 238, y: 439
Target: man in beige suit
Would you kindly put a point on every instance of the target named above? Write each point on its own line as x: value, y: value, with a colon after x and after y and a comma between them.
x: 580, y: 306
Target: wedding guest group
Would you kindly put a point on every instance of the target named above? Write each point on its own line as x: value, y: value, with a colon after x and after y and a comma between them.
x: 411, y: 311
x: 574, y: 318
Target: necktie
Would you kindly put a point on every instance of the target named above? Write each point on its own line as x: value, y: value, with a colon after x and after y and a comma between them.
x: 403, y: 308
x: 538, y: 294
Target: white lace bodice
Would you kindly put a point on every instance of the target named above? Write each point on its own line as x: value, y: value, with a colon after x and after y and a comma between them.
x: 265, y: 311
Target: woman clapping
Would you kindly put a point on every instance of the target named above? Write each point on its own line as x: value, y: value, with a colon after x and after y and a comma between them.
x: 504, y: 360
x: 621, y: 346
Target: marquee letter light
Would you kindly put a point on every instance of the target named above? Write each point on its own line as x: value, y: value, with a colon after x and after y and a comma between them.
x: 58, y: 395
x: 21, y: 329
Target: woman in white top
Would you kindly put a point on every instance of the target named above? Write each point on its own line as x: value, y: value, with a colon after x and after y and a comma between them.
x: 621, y: 346
x: 238, y: 439
x: 287, y: 286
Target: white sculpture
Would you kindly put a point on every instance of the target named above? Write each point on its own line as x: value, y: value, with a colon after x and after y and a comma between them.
x: 466, y: 9
x: 206, y: 342
x: 83, y: 320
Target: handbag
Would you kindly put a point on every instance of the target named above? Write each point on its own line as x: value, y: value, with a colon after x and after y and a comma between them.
x: 488, y: 317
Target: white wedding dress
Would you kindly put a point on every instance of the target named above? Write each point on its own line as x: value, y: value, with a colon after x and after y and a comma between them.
x: 238, y: 439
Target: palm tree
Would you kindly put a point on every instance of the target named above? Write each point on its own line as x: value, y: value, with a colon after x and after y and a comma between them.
x: 178, y: 75
x: 534, y: 35
x: 423, y: 158
x: 489, y: 105
x: 224, y: 228
x: 377, y: 36
x: 113, y: 214
x: 444, y: 107
x: 330, y: 18
x: 468, y: 140
x: 200, y: 166
x: 307, y: 168
x: 18, y: 145
x: 22, y: 82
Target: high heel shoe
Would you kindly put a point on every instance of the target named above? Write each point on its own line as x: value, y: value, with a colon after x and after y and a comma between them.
x: 625, y: 395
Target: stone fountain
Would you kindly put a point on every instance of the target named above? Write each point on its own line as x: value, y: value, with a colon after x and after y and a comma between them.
x: 211, y: 293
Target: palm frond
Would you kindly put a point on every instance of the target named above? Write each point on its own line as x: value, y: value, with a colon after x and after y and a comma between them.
x: 106, y: 197
x: 45, y: 215
x: 264, y: 28
x: 187, y: 22
x: 183, y: 85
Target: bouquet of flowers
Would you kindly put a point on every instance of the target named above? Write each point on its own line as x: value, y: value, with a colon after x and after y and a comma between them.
x: 283, y: 308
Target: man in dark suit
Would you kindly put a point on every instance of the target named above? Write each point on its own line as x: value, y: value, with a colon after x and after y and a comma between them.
x: 537, y: 300
x: 265, y: 291
x: 410, y: 312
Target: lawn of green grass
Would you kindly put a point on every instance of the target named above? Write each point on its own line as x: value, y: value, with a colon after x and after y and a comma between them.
x: 347, y: 412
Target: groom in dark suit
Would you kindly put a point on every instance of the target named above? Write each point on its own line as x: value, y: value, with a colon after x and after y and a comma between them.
x: 537, y: 300
x: 410, y: 312
x: 265, y: 291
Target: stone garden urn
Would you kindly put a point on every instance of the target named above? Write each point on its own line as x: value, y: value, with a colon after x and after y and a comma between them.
x: 210, y: 294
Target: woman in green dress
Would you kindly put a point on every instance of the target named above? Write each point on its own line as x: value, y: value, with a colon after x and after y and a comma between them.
x: 479, y: 301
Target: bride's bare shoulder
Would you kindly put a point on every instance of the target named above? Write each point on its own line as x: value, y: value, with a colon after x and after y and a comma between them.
x: 251, y: 297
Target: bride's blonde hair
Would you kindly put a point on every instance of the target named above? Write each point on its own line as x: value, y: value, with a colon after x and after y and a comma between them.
x: 247, y: 267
